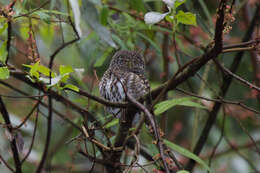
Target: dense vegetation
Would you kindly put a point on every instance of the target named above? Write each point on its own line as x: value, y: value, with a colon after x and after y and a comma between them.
x: 202, y: 62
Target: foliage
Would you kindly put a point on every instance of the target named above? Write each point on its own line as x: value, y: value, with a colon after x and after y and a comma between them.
x: 209, y: 118
x: 184, y: 101
x: 56, y: 80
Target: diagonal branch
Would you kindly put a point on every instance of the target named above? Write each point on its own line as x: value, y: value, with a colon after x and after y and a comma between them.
x: 6, y: 164
x: 225, y: 70
x: 192, y: 67
x: 43, y: 104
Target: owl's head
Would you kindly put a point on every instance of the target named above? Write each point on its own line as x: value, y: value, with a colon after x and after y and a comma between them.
x: 130, y: 61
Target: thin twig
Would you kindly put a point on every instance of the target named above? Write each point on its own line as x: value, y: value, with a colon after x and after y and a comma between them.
x: 239, y: 49
x: 20, y: 97
x: 9, y: 30
x: 137, y: 152
x: 225, y: 70
x: 219, y: 140
x: 248, y: 134
x: 27, y: 117
x: 33, y: 136
x: 228, y: 150
x: 6, y: 164
x: 15, y: 152
x: 34, y: 10
x: 219, y: 100
x: 43, y: 104
x: 48, y: 137
x: 243, y: 44
x: 241, y: 155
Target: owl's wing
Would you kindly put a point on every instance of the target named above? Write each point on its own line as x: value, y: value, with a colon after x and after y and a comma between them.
x: 136, y: 85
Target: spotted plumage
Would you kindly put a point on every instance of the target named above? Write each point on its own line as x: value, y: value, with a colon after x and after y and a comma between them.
x: 125, y: 74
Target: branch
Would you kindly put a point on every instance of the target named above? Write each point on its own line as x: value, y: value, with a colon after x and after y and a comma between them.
x: 48, y: 138
x: 22, y: 76
x: 228, y: 150
x: 6, y: 117
x: 243, y: 44
x: 33, y: 136
x: 225, y: 70
x: 43, y: 104
x: 6, y: 164
x: 34, y: 10
x: 192, y: 67
x: 28, y: 116
x: 155, y: 129
x: 9, y: 31
x: 220, y: 100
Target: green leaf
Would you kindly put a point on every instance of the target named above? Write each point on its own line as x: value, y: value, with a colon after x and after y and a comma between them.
x: 183, y: 171
x: 101, y: 60
x: 185, y: 101
x: 4, y: 73
x: 72, y: 87
x: 112, y: 123
x: 186, y: 18
x: 64, y: 72
x: 65, y: 69
x: 3, y: 52
x: 36, y: 68
x: 169, y: 18
x: 104, y: 16
x: 178, y: 3
x: 186, y: 153
x: 44, y: 70
x: 3, y: 28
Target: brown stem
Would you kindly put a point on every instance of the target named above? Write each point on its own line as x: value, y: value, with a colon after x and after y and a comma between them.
x: 6, y: 117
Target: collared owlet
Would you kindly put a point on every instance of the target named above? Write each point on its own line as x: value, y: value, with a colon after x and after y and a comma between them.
x: 125, y: 74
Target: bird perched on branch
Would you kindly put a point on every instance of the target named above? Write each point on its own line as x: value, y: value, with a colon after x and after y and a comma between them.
x: 124, y: 75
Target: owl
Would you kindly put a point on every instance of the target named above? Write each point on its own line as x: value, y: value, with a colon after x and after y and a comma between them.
x: 124, y: 75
